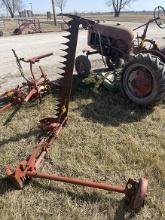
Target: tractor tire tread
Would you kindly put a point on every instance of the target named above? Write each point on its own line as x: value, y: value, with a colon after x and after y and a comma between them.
x: 157, y: 65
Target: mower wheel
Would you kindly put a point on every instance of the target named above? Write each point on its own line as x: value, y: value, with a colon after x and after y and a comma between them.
x: 140, y: 195
x: 143, y: 79
x: 83, y: 66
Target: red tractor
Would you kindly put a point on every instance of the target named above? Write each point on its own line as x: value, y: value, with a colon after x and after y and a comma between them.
x: 142, y: 78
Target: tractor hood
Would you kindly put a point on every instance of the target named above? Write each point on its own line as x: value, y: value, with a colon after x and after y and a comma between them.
x: 114, y: 32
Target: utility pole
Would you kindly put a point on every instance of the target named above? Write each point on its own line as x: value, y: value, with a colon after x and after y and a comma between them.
x: 31, y: 7
x: 54, y: 12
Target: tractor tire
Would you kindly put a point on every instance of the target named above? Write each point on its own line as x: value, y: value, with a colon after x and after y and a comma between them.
x: 83, y: 66
x: 143, y: 79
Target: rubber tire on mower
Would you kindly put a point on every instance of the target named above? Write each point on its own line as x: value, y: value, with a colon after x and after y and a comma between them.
x: 155, y: 71
x: 83, y: 66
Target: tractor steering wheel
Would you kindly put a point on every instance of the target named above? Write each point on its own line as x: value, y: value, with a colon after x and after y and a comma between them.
x: 159, y: 12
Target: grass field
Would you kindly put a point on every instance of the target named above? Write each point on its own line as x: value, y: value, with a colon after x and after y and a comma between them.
x: 107, y: 139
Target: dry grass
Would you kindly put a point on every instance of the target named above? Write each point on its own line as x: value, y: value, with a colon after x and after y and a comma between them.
x: 10, y: 26
x: 107, y: 139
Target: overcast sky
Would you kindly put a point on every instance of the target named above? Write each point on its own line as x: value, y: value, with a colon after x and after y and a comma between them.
x: 91, y: 5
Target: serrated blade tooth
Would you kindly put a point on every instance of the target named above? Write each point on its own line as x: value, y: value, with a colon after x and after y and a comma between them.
x: 63, y: 74
x: 57, y: 110
x: 67, y: 37
x: 59, y: 74
x: 68, y: 30
x: 65, y: 50
x: 58, y: 101
x: 66, y: 43
x: 61, y: 68
x: 63, y: 62
x: 65, y: 56
x: 59, y: 104
x: 69, y: 23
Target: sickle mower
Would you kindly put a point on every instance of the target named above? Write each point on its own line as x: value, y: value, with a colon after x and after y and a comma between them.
x: 30, y: 89
x: 134, y: 190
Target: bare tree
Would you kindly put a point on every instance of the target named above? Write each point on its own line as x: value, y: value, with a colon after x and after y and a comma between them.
x: 12, y: 6
x: 61, y: 4
x: 118, y: 5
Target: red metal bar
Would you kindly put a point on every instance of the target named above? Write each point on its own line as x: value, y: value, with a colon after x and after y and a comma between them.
x: 30, y: 95
x: 42, y: 72
x: 36, y: 59
x: 40, y: 159
x: 104, y: 186
x: 31, y: 70
x: 6, y: 107
x: 40, y: 81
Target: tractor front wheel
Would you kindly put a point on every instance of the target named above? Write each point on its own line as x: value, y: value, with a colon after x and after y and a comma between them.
x: 83, y: 66
x: 143, y: 79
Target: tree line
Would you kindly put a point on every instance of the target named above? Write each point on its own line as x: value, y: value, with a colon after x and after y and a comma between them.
x: 14, y: 6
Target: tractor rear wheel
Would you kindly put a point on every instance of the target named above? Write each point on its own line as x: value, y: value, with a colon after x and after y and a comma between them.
x: 143, y: 79
x: 83, y: 66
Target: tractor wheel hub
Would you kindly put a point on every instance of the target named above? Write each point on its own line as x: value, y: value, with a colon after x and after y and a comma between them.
x: 140, y: 82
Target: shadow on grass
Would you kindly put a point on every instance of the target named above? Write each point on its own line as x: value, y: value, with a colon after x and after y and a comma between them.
x: 33, y: 132
x: 10, y: 117
x: 106, y: 107
x: 6, y: 186
x: 123, y: 210
x: 84, y: 197
x: 92, y: 198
